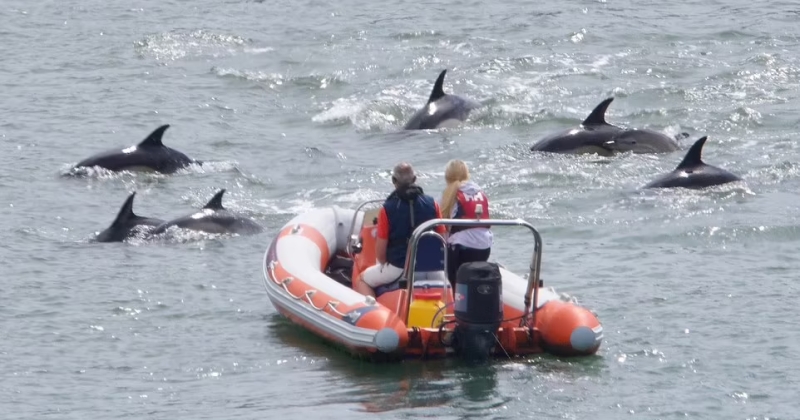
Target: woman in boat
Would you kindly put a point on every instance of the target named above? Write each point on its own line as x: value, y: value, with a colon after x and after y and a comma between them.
x: 464, y: 199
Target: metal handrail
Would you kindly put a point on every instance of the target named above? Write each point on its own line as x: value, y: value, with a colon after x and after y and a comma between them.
x: 536, y: 261
x: 352, y: 238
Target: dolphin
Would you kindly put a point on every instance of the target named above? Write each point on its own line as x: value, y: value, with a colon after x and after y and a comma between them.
x: 212, y: 218
x: 127, y: 224
x: 692, y: 172
x: 441, y: 110
x: 595, y: 135
x: 642, y: 140
x: 149, y: 155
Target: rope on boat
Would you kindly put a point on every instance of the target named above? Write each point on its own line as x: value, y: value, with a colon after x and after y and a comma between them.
x: 332, y: 304
x: 500, y: 344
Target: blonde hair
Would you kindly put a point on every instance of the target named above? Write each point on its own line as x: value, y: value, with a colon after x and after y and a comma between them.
x: 455, y: 174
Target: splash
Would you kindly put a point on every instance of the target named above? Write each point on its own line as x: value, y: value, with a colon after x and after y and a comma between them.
x: 278, y: 80
x: 177, y: 45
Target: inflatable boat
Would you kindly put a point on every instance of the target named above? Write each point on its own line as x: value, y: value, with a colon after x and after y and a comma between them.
x: 314, y: 262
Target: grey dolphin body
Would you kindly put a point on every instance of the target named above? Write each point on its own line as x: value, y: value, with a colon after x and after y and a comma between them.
x: 595, y: 135
x: 213, y: 218
x: 127, y: 224
x: 692, y: 172
x: 642, y: 140
x: 149, y: 155
x: 441, y: 110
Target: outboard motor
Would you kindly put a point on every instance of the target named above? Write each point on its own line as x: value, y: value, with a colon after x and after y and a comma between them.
x: 478, y: 309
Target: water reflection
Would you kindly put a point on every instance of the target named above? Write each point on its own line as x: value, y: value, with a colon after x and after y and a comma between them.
x: 383, y: 387
x: 441, y: 387
x: 406, y: 386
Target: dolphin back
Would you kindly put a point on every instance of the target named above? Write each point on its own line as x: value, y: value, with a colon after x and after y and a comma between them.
x: 702, y: 177
x: 127, y: 223
x: 149, y: 154
x: 441, y: 109
x: 692, y: 172
x: 445, y: 111
x: 212, y: 218
x: 639, y: 140
x: 214, y: 222
x: 593, y: 139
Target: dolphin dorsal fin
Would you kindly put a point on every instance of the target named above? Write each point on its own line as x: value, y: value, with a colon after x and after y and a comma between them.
x: 154, y: 139
x: 598, y: 115
x: 694, y: 155
x: 126, y: 211
x: 438, y: 90
x: 216, y: 202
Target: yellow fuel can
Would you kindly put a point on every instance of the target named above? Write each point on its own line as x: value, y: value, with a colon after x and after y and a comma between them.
x: 424, y: 306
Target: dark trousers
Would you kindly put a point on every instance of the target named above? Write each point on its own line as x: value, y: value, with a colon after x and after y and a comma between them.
x: 459, y: 254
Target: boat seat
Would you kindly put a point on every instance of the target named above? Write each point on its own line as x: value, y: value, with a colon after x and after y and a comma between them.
x: 421, y: 279
x: 340, y: 269
x: 429, y: 265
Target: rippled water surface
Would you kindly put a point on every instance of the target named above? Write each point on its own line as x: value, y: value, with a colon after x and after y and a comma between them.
x: 300, y: 105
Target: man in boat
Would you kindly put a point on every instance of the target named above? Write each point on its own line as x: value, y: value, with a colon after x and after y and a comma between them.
x: 406, y: 208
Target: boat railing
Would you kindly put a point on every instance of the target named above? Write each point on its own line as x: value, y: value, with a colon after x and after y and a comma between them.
x: 426, y: 229
x: 352, y: 237
x: 446, y: 283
